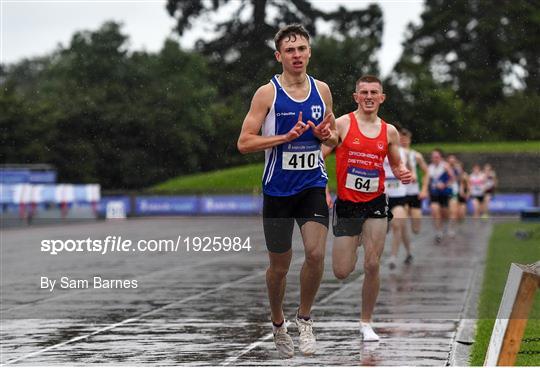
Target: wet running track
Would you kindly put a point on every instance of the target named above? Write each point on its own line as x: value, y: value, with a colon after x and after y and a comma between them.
x: 210, y: 308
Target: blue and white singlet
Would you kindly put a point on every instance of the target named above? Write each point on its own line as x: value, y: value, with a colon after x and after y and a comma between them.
x: 297, y: 165
x: 438, y: 174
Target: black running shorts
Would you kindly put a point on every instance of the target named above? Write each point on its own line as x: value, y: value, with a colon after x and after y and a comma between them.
x: 279, y: 214
x: 396, y: 201
x: 479, y: 198
x: 441, y: 199
x: 414, y: 201
x: 349, y: 217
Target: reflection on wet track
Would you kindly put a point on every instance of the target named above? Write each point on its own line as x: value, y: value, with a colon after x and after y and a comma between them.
x: 201, y: 308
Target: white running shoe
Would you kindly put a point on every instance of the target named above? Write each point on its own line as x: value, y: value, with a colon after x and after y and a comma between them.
x: 367, y: 332
x: 307, y: 338
x: 283, y: 341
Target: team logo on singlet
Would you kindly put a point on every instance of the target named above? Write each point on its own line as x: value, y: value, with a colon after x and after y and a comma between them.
x: 356, y: 141
x: 316, y: 111
x: 380, y: 145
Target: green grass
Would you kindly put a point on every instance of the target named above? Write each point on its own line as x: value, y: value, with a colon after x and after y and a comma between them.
x: 247, y: 178
x: 505, y: 248
x: 241, y: 179
x: 482, y: 147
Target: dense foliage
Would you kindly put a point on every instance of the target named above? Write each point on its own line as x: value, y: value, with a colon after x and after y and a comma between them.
x: 100, y: 113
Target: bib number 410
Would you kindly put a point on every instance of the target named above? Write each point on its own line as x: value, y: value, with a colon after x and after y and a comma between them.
x: 300, y: 160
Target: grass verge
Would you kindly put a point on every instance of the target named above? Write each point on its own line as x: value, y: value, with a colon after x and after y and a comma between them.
x: 247, y: 179
x: 481, y: 147
x: 504, y: 249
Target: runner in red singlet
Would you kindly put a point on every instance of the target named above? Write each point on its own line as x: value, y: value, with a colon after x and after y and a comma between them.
x: 361, y: 212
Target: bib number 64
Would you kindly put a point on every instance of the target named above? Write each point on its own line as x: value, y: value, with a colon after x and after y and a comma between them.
x: 362, y: 184
x: 362, y: 180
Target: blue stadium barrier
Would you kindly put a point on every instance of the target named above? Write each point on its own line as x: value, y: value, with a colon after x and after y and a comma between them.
x: 511, y: 202
x: 231, y: 205
x: 16, y: 176
x: 501, y: 203
x: 8, y: 176
x: 166, y: 205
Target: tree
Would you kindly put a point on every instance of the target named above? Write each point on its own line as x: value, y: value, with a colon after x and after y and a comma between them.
x: 242, y: 50
x: 476, y: 46
x: 101, y: 114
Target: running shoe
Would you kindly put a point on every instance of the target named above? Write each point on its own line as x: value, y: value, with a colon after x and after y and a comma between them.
x: 409, y: 259
x: 438, y: 237
x: 367, y: 332
x: 307, y: 338
x: 283, y: 341
x: 392, y: 262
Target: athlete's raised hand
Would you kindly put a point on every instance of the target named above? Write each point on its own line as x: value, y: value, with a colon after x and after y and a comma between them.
x: 322, y: 131
x: 298, y: 129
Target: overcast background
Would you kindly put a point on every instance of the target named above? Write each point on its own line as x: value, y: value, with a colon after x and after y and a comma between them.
x: 36, y: 27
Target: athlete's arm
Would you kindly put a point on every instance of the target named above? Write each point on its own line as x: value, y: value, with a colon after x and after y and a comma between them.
x: 394, y: 158
x: 250, y: 140
x: 425, y: 175
x: 463, y: 182
x: 326, y: 131
x: 450, y: 172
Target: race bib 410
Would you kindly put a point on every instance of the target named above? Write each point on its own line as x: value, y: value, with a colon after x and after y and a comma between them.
x: 300, y: 156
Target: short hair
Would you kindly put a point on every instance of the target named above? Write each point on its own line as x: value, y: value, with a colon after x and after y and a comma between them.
x: 368, y: 79
x: 406, y: 132
x: 438, y: 150
x: 291, y: 30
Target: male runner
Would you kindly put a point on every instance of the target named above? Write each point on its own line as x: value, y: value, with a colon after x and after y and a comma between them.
x: 396, y: 193
x: 491, y: 184
x: 464, y: 194
x: 440, y: 181
x: 477, y: 185
x: 294, y: 178
x: 453, y: 202
x: 361, y: 211
x: 414, y: 195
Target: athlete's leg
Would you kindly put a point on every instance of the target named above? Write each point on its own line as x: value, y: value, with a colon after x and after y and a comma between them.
x: 476, y: 208
x: 436, y: 215
x: 462, y: 211
x: 397, y: 224
x: 344, y: 255
x: 405, y: 235
x: 485, y: 205
x: 373, y: 236
x: 276, y: 280
x: 314, y: 236
x: 416, y: 219
x: 453, y: 209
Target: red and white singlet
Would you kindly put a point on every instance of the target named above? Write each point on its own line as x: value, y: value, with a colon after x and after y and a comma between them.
x: 359, y: 164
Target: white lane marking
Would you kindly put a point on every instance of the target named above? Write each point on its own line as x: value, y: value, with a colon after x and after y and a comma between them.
x: 129, y: 320
x: 268, y: 336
